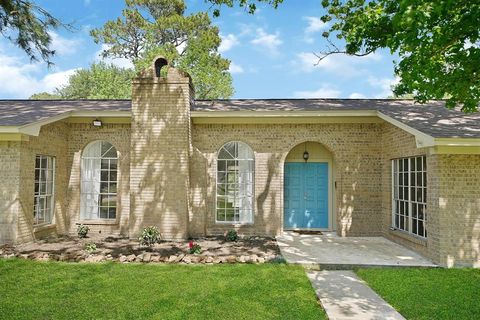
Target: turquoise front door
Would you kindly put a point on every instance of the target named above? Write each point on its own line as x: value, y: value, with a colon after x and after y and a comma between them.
x: 306, y: 195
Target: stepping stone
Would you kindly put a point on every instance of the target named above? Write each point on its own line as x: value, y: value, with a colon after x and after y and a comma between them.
x: 344, y: 295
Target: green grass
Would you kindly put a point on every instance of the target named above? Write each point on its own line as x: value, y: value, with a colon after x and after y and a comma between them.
x: 54, y: 290
x: 428, y: 293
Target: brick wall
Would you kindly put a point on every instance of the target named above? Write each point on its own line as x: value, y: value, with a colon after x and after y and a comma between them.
x: 160, y: 157
x: 357, y: 170
x: 397, y: 143
x: 80, y: 135
x: 455, y: 201
x: 52, y: 141
x: 9, y: 190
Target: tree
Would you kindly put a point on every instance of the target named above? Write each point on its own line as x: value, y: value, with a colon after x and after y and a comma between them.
x: 151, y: 27
x: 250, y: 5
x: 437, y: 42
x: 45, y: 96
x: 100, y: 81
x: 26, y: 25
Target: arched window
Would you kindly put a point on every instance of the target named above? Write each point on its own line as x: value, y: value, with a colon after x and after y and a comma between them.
x: 99, y: 181
x: 235, y: 183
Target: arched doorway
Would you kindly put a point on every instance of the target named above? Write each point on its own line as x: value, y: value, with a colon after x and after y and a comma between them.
x: 307, y: 188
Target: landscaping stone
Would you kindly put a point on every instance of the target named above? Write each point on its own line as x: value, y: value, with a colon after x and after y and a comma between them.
x: 147, y: 256
x: 215, y: 250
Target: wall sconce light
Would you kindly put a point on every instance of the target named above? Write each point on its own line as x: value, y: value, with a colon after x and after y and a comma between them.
x: 306, y: 155
x: 97, y: 123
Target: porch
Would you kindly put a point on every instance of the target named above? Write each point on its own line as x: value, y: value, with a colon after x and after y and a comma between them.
x: 329, y: 251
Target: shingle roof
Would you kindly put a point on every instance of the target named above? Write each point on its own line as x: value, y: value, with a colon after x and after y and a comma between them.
x: 21, y: 112
x: 432, y: 118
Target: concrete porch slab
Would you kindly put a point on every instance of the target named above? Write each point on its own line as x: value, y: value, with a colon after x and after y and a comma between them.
x: 328, y: 251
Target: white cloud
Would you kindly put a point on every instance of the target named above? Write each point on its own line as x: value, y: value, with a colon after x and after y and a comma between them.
x: 267, y: 41
x: 384, y: 85
x: 235, y: 68
x: 340, y: 64
x: 228, y: 42
x: 314, y: 25
x: 357, y: 95
x: 119, y: 62
x: 20, y: 80
x: 63, y: 46
x: 325, y: 91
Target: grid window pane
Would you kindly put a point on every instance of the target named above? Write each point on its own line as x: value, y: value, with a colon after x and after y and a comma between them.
x: 409, y: 195
x: 99, y: 181
x: 43, y: 189
x: 235, y: 183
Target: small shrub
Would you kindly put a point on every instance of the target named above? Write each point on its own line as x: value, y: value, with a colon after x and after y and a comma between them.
x: 278, y: 260
x: 90, y: 247
x: 150, y: 235
x: 194, y: 248
x: 231, y: 235
x: 82, y: 231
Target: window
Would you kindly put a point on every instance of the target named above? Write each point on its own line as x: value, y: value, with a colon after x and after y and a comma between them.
x: 235, y: 177
x: 410, y: 195
x: 44, y: 190
x: 99, y: 181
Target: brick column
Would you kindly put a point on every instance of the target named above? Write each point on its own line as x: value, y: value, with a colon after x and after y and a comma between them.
x: 160, y: 141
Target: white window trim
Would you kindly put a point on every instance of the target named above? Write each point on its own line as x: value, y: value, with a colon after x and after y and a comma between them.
x: 84, y: 215
x: 236, y: 223
x: 52, y: 194
x: 409, y: 201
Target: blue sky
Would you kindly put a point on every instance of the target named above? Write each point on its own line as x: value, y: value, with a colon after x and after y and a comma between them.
x: 271, y: 53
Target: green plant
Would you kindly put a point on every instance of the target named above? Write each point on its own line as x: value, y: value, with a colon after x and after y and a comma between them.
x: 150, y: 235
x: 82, y: 231
x: 194, y: 248
x: 90, y: 247
x: 231, y: 235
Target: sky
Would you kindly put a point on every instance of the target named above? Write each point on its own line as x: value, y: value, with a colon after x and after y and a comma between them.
x: 272, y: 53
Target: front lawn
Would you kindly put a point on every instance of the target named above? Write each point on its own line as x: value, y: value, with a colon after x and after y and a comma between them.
x: 428, y: 293
x: 54, y: 290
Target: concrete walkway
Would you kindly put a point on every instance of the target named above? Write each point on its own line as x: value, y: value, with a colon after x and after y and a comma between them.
x: 344, y: 296
x: 328, y: 251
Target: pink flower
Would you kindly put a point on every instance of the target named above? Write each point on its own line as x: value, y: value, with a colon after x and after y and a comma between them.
x: 190, y: 244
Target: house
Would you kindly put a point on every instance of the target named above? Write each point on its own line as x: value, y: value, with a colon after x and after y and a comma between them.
x: 391, y: 168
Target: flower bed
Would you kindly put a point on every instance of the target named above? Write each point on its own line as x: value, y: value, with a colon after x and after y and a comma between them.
x: 214, y: 250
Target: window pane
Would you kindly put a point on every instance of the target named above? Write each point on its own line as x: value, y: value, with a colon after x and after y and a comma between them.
x: 99, y: 181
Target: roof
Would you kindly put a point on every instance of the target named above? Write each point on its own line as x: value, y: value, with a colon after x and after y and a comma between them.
x: 432, y: 118
x: 22, y: 112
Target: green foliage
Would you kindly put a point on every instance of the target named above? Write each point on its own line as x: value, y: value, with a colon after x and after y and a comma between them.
x: 56, y: 290
x: 45, y: 96
x: 148, y: 28
x: 149, y: 236
x: 250, y: 5
x: 82, y: 231
x: 26, y: 25
x: 194, y: 248
x: 100, y: 81
x: 428, y: 293
x: 90, y: 247
x: 438, y: 42
x: 231, y: 235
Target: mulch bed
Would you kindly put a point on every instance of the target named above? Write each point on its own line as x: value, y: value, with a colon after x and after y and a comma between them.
x: 214, y: 250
